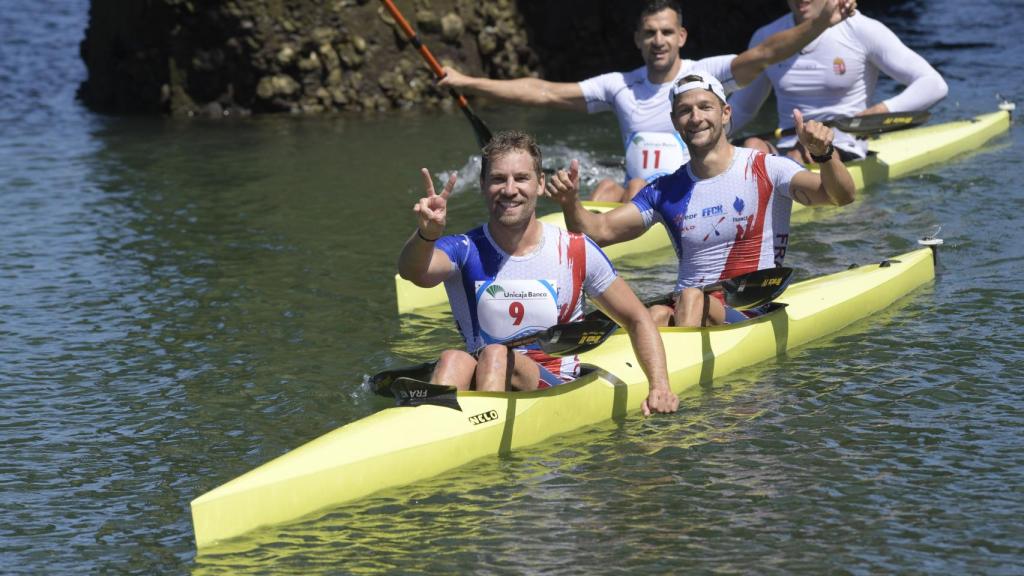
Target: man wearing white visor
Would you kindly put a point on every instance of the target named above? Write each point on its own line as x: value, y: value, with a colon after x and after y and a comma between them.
x: 727, y: 210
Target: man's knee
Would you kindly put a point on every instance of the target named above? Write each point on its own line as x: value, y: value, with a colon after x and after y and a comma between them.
x: 493, y: 356
x: 690, y: 307
x: 661, y: 315
x: 454, y: 368
x: 608, y: 191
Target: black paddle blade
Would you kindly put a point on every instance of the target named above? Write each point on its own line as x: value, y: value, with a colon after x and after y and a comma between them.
x: 412, y: 392
x: 864, y: 125
x: 754, y: 289
x: 480, y: 130
x: 381, y: 382
x: 576, y: 337
x: 879, y: 123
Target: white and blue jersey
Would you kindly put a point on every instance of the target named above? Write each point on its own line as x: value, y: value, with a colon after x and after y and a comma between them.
x: 496, y: 297
x: 652, y: 145
x: 733, y: 223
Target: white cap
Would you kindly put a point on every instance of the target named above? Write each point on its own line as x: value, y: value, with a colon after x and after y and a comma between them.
x: 697, y: 80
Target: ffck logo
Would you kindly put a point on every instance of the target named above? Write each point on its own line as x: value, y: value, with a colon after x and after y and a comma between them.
x: 712, y: 211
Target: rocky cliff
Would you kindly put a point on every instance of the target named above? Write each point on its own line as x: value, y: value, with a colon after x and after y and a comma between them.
x: 222, y: 57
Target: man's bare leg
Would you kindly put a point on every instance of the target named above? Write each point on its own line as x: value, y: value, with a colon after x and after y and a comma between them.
x: 690, y: 309
x: 454, y: 368
x: 608, y: 190
x: 492, y: 368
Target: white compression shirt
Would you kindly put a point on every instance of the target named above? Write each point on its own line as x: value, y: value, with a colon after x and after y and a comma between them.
x: 836, y: 75
x: 652, y: 145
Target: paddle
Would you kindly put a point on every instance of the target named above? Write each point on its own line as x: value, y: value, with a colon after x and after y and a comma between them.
x: 741, y: 292
x: 864, y: 125
x: 483, y: 134
x: 412, y: 392
x: 588, y: 332
x: 755, y: 288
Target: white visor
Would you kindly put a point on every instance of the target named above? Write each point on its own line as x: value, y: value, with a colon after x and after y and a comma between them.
x: 695, y: 81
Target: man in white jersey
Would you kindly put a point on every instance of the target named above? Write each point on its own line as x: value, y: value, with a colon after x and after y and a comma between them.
x: 835, y: 76
x: 727, y: 210
x: 515, y: 276
x: 639, y: 98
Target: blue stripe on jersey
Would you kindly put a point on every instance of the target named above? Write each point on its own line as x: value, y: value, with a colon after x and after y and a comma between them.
x: 477, y: 259
x: 601, y: 252
x: 668, y: 199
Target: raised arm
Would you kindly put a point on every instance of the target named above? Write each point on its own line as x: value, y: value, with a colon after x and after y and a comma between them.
x: 746, y: 102
x: 924, y: 85
x: 781, y: 45
x: 618, y: 225
x: 622, y: 305
x: 419, y: 262
x: 528, y: 91
x: 833, y: 185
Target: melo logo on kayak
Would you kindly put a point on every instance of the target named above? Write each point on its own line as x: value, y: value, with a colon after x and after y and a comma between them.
x: 483, y: 417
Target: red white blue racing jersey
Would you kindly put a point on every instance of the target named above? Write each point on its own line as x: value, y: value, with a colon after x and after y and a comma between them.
x: 730, y: 224
x: 498, y: 298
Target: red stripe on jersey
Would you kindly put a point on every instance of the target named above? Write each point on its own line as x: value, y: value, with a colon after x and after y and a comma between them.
x: 745, y: 254
x: 577, y: 255
x: 553, y: 364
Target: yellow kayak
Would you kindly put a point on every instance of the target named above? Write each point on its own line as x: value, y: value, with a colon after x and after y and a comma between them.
x: 401, y: 445
x: 892, y: 155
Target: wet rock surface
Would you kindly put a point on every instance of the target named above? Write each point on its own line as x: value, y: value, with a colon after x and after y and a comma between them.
x: 224, y: 57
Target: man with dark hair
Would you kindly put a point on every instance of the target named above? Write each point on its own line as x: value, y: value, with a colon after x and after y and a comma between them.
x: 515, y: 276
x: 639, y: 98
x: 727, y: 210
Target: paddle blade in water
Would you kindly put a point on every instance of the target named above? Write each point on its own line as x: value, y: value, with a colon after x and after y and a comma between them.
x: 412, y: 392
x: 381, y: 382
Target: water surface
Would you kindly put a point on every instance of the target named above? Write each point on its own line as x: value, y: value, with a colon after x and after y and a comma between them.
x: 185, y: 300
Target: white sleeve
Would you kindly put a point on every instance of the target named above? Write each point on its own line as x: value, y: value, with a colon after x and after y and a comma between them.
x: 747, y: 101
x: 600, y: 271
x: 599, y: 91
x: 720, y: 67
x: 924, y: 85
x: 782, y: 169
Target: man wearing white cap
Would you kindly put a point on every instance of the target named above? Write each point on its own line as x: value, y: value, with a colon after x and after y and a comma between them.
x: 638, y: 97
x: 727, y: 210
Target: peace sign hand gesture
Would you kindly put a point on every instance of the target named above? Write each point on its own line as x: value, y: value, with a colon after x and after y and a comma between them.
x: 432, y: 210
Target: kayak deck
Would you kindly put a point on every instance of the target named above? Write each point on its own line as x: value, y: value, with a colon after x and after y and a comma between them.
x: 892, y: 155
x: 380, y: 451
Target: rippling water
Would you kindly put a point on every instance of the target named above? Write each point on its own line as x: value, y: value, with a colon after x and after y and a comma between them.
x: 184, y: 300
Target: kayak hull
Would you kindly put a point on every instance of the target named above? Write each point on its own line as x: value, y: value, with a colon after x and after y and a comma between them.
x: 398, y: 446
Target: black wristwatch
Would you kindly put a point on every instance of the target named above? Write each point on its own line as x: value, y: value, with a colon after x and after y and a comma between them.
x: 825, y: 156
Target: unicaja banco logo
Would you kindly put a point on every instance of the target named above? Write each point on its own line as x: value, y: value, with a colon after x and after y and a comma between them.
x: 494, y: 289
